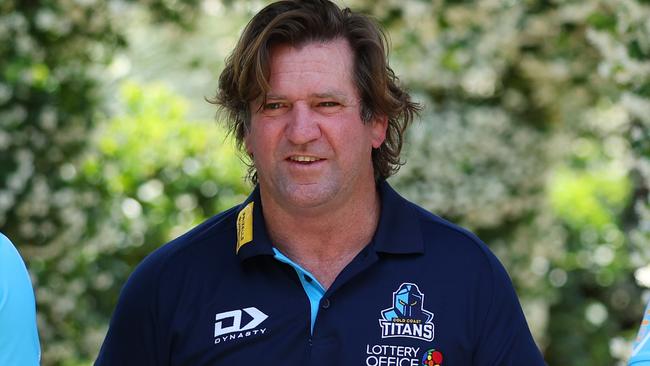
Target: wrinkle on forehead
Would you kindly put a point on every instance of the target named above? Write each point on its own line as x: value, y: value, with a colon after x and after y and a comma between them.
x: 300, y: 56
x: 330, y: 60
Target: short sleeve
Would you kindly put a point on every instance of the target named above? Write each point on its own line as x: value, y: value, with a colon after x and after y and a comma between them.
x: 19, y: 343
x: 133, y: 337
x: 505, y: 339
x: 641, y: 349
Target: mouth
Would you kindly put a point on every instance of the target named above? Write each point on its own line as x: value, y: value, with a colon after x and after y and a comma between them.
x: 303, y: 159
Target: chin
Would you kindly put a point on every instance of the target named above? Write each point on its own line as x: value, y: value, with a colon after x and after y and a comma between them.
x: 309, y: 195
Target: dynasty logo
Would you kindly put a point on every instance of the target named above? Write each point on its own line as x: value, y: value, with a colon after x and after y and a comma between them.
x: 235, y: 324
x: 407, y: 317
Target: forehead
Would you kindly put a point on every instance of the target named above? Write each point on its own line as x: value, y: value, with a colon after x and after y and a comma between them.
x: 338, y: 48
x: 320, y: 62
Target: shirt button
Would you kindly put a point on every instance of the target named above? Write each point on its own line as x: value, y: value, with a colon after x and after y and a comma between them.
x: 325, y: 304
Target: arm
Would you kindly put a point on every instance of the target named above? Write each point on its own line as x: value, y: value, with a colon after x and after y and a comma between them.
x: 18, y: 333
x: 505, y: 339
x: 133, y: 337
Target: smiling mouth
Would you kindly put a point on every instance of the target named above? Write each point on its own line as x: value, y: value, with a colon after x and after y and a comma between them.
x: 304, y: 159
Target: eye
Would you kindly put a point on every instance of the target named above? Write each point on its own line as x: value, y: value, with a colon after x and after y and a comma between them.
x: 329, y: 104
x: 414, y: 302
x: 273, y: 106
x: 402, y: 302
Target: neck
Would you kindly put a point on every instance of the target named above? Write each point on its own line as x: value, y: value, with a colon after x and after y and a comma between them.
x: 326, y: 239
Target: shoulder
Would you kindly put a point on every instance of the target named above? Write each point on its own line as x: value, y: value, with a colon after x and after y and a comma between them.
x: 468, y: 263
x: 9, y: 256
x: 154, y: 288
x: 211, y: 241
x: 460, y: 257
x: 12, y: 266
x: 213, y: 235
x: 405, y: 227
x: 440, y: 235
x: 171, y: 275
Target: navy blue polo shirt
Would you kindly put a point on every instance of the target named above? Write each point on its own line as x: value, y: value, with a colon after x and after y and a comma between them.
x: 422, y: 292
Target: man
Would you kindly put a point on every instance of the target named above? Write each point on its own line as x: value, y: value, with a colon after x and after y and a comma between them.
x: 324, y: 264
x: 19, y: 345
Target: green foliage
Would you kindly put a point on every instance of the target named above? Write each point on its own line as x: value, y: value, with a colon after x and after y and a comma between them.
x: 53, y: 57
x: 152, y: 175
x: 155, y: 116
x: 589, y: 200
x: 590, y: 195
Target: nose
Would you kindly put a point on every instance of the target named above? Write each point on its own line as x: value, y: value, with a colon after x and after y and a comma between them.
x: 303, y: 126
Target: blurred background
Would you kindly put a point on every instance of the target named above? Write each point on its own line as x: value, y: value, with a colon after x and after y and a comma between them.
x: 535, y: 135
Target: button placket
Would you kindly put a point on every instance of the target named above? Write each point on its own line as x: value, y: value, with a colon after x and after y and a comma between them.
x: 325, y: 303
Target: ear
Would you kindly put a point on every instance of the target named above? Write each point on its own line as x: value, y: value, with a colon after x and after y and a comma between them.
x: 247, y: 145
x: 378, y: 131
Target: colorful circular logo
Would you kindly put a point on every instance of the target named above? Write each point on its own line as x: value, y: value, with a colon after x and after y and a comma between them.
x: 432, y: 358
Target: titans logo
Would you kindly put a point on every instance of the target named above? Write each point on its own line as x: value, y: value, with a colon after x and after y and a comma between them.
x: 407, y: 317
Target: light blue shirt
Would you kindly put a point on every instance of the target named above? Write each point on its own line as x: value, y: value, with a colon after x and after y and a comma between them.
x: 19, y: 344
x: 313, y: 289
x: 641, y: 350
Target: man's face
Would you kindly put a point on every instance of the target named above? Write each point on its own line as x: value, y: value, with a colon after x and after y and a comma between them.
x: 309, y: 145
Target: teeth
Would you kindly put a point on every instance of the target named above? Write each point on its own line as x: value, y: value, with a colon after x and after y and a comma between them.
x: 300, y: 158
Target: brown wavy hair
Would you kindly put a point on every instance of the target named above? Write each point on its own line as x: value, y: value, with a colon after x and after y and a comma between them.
x: 296, y: 22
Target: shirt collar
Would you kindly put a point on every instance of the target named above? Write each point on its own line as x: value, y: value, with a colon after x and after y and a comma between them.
x: 252, y: 237
x: 398, y: 232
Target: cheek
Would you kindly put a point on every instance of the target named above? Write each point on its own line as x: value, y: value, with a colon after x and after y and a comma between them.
x: 261, y: 139
x: 254, y: 142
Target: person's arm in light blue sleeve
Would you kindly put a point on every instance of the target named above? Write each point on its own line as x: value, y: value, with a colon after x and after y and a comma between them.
x: 19, y: 343
x: 641, y: 350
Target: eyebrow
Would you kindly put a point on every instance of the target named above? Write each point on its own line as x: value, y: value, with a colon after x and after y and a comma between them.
x: 331, y: 94
x: 324, y: 95
x: 275, y: 97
